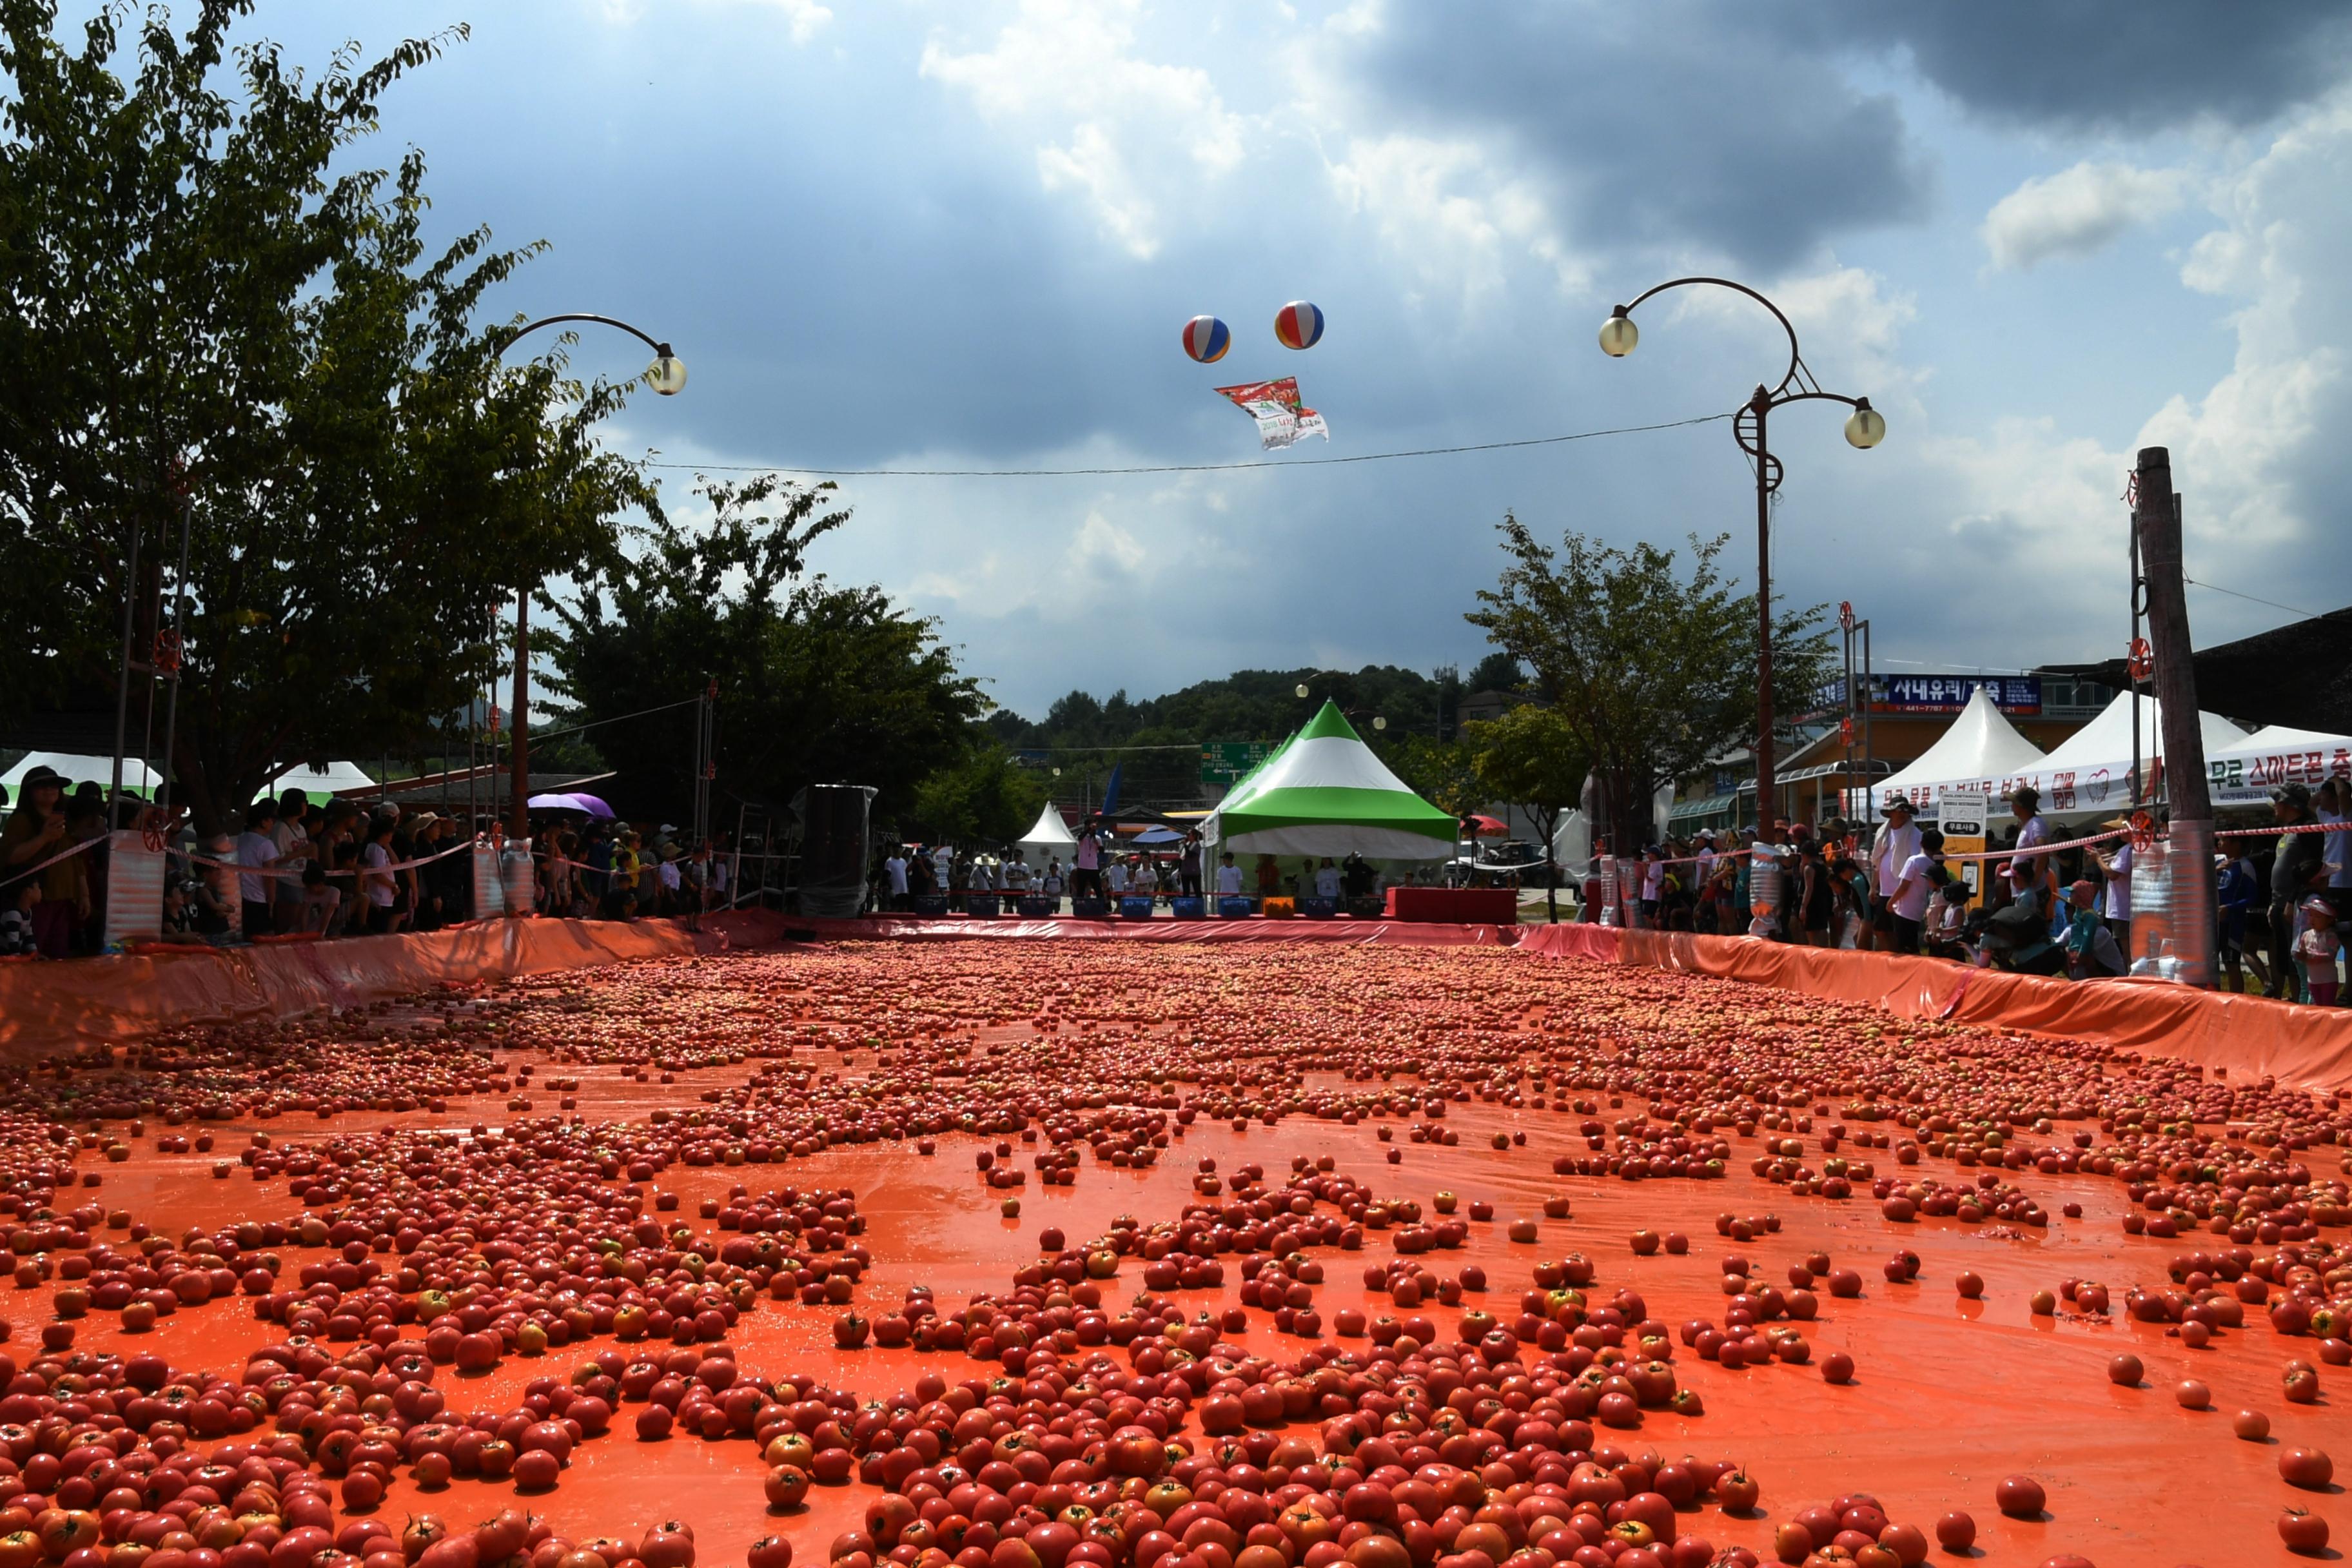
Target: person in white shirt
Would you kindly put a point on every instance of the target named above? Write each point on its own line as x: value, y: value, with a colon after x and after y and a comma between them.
x: 1229, y: 876
x: 942, y: 867
x: 2029, y: 872
x: 256, y: 847
x: 1913, y: 888
x: 1117, y: 875
x: 2115, y: 891
x: 1016, y: 874
x: 1050, y: 885
x: 1327, y: 880
x: 894, y: 870
x: 1706, y: 858
x: 1896, y: 842
x: 983, y: 874
x: 1145, y: 880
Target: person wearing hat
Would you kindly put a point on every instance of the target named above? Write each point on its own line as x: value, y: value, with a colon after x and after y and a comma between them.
x: 2317, y: 949
x: 1896, y: 842
x: 2028, y: 871
x: 2298, y: 869
x: 35, y: 830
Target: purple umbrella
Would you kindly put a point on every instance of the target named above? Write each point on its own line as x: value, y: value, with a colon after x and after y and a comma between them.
x: 593, y: 806
x: 554, y: 802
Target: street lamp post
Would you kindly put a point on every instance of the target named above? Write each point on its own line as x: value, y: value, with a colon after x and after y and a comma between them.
x: 1864, y: 428
x: 666, y: 375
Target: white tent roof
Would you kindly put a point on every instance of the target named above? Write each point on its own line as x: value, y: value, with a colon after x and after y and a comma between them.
x: 1982, y: 747
x: 76, y: 770
x: 332, y: 779
x: 1050, y: 833
x: 2244, y: 774
x: 2091, y: 769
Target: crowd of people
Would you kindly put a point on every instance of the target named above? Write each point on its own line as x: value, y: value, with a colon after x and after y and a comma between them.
x: 2039, y: 906
x: 1099, y: 867
x: 321, y: 870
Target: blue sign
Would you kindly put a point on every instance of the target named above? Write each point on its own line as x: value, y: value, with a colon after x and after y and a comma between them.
x: 1951, y: 693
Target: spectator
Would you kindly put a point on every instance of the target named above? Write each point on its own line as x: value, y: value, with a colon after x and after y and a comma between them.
x: 2317, y: 949
x: 2114, y: 878
x: 1016, y: 874
x: 293, y: 841
x: 1948, y: 922
x: 315, y: 914
x: 1908, y: 908
x: 2090, y: 950
x: 257, y: 851
x: 1229, y: 876
x: 894, y: 870
x: 1051, y: 885
x: 1327, y: 880
x: 2333, y: 805
x: 1654, y: 885
x: 1145, y: 878
x: 16, y: 937
x: 1188, y: 865
x: 35, y: 831
x: 627, y: 866
x: 1085, y: 880
x: 2235, y: 890
x: 1896, y: 842
x: 1119, y: 877
x: 2026, y: 868
x: 85, y: 818
x: 1269, y: 878
x: 696, y: 873
x: 2298, y: 868
x: 1816, y: 898
x: 379, y: 885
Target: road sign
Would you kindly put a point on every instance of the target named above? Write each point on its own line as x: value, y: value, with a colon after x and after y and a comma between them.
x: 1222, y: 761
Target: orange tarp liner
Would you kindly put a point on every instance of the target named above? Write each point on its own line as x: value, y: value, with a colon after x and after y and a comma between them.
x: 49, y: 1008
x: 2250, y: 1036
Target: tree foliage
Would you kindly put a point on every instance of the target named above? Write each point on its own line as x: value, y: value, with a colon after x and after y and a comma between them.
x: 1653, y: 669
x: 1534, y: 758
x: 816, y: 683
x: 982, y: 797
x: 210, y: 307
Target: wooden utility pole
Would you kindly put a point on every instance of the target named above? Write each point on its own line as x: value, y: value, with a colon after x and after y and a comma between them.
x: 2188, y: 857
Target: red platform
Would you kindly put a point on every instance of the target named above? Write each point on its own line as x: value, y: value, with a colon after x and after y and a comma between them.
x: 1455, y: 905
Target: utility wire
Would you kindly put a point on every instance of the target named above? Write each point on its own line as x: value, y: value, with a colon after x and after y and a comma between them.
x: 1179, y: 467
x: 2274, y: 604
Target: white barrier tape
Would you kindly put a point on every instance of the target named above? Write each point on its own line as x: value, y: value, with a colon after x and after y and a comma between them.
x: 12, y: 875
x: 244, y: 870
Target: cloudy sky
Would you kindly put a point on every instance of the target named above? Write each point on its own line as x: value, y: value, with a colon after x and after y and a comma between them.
x: 2037, y: 234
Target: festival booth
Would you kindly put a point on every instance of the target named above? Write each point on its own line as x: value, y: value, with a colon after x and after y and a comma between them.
x: 2089, y: 775
x: 138, y: 778
x: 1048, y: 838
x: 1981, y: 751
x: 2245, y: 775
x: 1324, y: 792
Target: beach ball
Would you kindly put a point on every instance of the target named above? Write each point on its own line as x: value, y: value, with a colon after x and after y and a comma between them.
x: 1206, y: 339
x: 1299, y: 324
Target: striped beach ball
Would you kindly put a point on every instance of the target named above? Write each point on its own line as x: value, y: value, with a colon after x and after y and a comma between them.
x: 1206, y: 339
x: 1299, y: 324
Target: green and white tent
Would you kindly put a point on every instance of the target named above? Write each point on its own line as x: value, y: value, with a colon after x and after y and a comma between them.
x: 1322, y: 792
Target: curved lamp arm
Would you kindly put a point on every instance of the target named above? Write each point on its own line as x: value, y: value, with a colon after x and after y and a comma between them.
x: 667, y: 375
x: 1795, y: 362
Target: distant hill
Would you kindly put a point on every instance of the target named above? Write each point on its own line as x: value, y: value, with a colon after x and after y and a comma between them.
x: 1084, y: 735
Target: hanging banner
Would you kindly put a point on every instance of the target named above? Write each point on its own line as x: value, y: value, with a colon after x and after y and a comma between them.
x: 1282, y: 419
x: 134, y: 889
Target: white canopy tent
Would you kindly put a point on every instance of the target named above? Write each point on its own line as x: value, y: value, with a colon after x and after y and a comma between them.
x: 2089, y: 773
x: 1982, y: 749
x: 335, y: 778
x: 1323, y: 792
x: 2247, y: 771
x: 1050, y: 836
x: 137, y: 777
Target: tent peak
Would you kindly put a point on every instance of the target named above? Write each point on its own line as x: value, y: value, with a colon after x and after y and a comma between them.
x: 1329, y: 722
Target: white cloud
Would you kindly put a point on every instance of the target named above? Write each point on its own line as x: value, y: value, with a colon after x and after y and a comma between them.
x: 807, y: 16
x: 1447, y: 215
x: 1113, y: 124
x: 2077, y: 211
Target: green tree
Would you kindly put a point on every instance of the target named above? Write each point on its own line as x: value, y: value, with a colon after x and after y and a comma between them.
x: 209, y: 308
x: 1442, y: 773
x: 816, y: 683
x: 1653, y: 669
x: 1534, y: 758
x: 981, y: 797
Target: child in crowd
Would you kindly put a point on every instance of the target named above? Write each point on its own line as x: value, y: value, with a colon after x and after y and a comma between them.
x: 2316, y: 950
x: 17, y: 920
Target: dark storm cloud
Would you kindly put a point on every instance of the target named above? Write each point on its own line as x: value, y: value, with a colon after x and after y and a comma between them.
x: 1673, y: 125
x: 2106, y: 65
